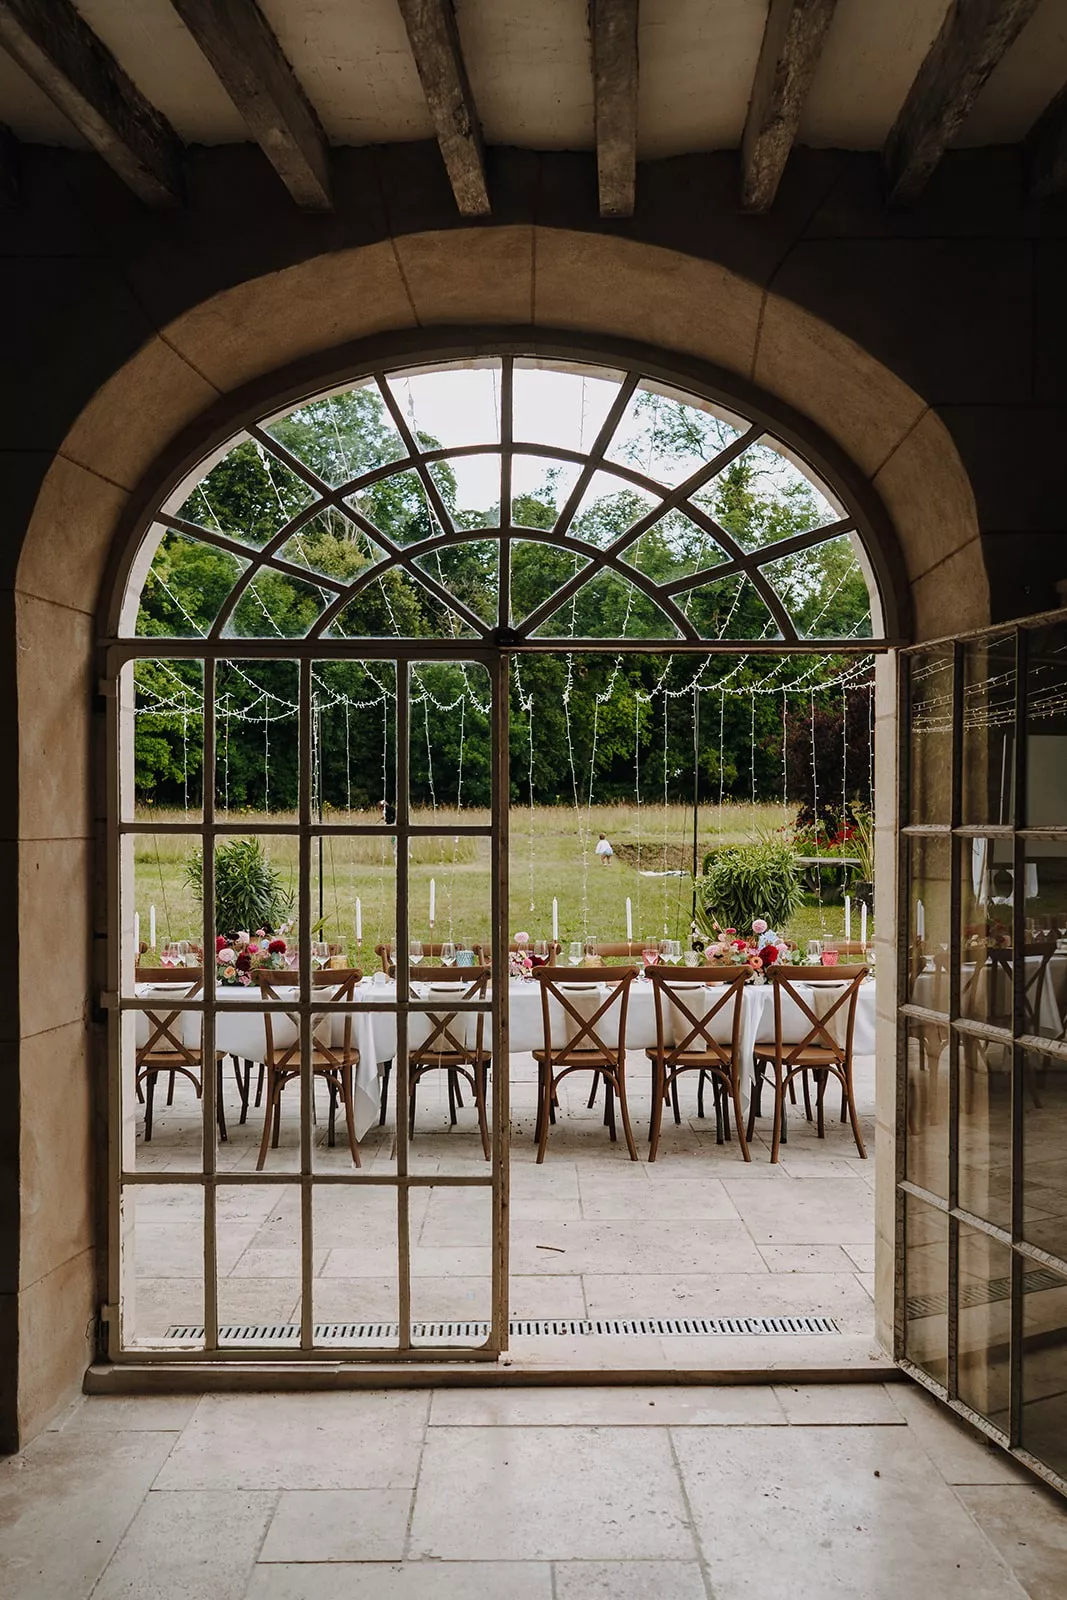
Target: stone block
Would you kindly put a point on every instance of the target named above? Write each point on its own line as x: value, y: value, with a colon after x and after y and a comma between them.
x: 55, y: 651
x: 56, y: 1153
x: 56, y: 1320
x: 68, y: 540
x: 953, y: 596
x: 54, y: 923
x: 469, y: 276
x: 927, y: 492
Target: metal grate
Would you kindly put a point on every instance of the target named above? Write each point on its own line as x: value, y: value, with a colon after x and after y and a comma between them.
x: 359, y: 1333
x: 982, y: 1294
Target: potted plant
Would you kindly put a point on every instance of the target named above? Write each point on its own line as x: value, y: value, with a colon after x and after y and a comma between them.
x: 743, y: 882
x: 249, y: 892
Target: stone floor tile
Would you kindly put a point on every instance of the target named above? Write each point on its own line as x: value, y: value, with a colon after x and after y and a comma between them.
x: 1029, y: 1528
x: 338, y: 1525
x: 631, y: 1247
x: 547, y: 1296
x: 720, y: 1405
x: 812, y: 1211
x: 851, y: 1511
x: 961, y: 1453
x: 107, y: 1413
x: 732, y: 1294
x: 818, y: 1164
x: 64, y: 1506
x: 414, y: 1580
x: 189, y: 1547
x: 866, y: 1404
x: 365, y: 1440
x: 628, y: 1580
x: 862, y: 1255
x: 549, y: 1494
x: 702, y: 1199
x: 781, y: 1258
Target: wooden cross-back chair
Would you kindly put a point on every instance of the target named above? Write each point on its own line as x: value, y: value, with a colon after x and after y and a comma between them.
x: 695, y: 1047
x: 444, y: 1048
x: 165, y: 1049
x: 335, y: 1064
x: 819, y: 1051
x: 997, y: 970
x: 587, y: 1049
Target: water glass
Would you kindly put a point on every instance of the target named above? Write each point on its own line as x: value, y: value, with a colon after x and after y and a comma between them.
x: 829, y: 952
x: 675, y: 952
x: 592, y: 950
x: 465, y: 956
x: 415, y: 951
x: 320, y: 953
x: 664, y: 947
x: 574, y: 953
x: 169, y: 953
x: 814, y: 952
x: 448, y: 954
x: 692, y: 958
x: 540, y: 949
x: 650, y: 952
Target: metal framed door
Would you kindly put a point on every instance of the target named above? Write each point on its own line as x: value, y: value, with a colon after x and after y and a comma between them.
x: 981, y: 1227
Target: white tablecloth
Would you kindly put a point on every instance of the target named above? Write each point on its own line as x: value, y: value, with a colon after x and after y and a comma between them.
x: 930, y: 989
x: 241, y: 1033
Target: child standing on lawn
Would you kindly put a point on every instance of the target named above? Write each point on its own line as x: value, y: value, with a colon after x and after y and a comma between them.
x: 604, y: 850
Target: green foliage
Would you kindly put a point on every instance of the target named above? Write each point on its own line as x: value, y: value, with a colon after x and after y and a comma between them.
x: 862, y: 841
x: 743, y: 882
x: 249, y: 892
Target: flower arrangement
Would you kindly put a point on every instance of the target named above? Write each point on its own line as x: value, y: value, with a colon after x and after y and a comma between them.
x: 239, y: 958
x: 758, y: 950
x: 520, y: 960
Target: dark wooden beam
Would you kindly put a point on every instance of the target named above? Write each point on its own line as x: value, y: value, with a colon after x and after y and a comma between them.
x: 792, y: 44
x: 63, y: 56
x: 248, y: 61
x: 10, y: 169
x: 1046, y: 149
x: 614, y: 29
x: 974, y: 36
x: 431, y: 26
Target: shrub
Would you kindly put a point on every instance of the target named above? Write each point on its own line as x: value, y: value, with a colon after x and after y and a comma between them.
x: 249, y: 892
x: 746, y: 881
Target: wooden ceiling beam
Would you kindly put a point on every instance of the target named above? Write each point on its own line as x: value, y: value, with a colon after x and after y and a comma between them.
x: 614, y: 30
x: 64, y: 57
x: 434, y: 39
x: 1046, y: 149
x: 252, y: 68
x: 974, y: 37
x: 793, y: 40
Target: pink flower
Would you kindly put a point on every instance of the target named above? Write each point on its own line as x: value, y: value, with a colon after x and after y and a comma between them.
x: 714, y: 950
x: 759, y: 926
x: 261, y: 933
x: 242, y: 938
x: 522, y: 938
x: 244, y: 977
x: 252, y: 947
x: 755, y: 962
x: 226, y: 957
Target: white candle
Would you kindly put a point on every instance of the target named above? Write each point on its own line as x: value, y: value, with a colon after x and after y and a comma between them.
x: 136, y: 936
x: 555, y: 920
x: 848, y: 918
x: 920, y: 920
x: 433, y: 900
x: 359, y: 920
x: 863, y: 924
x: 629, y: 921
x: 152, y: 926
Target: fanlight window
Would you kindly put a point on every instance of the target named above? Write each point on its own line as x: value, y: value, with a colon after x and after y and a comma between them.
x: 513, y: 498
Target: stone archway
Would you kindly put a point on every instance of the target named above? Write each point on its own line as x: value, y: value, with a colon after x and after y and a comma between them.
x: 188, y: 373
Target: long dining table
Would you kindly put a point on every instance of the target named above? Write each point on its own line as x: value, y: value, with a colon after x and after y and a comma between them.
x: 241, y: 1032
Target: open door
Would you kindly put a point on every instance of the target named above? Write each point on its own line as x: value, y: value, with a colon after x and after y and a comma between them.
x: 981, y: 1224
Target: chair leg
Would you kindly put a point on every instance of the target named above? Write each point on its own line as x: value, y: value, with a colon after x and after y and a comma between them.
x: 271, y: 1115
x: 807, y: 1096
x: 547, y: 1092
x: 591, y: 1102
x: 332, y: 1089
x: 259, y: 1085
x: 481, y: 1078
x: 716, y: 1094
x: 451, y: 1097
x: 700, y: 1092
x: 655, y: 1121
x: 674, y: 1102
x: 735, y: 1091
x: 755, y: 1098
x: 170, y: 1090
x: 609, y: 1108
x: 626, y: 1128
x: 386, y: 1073
x: 820, y: 1097
x: 853, y: 1117
x: 779, y: 1113
x: 242, y: 1074
x: 149, y: 1103
x: 220, y: 1109
x: 350, y: 1115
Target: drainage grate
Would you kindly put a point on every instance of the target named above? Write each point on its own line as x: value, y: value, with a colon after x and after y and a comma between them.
x: 357, y: 1333
x: 982, y: 1294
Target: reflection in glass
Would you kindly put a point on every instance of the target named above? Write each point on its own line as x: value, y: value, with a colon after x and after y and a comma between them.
x: 987, y: 894
x: 988, y: 751
x: 1046, y: 727
x: 929, y: 920
x: 927, y: 1054
x: 930, y: 737
x: 926, y: 1287
x: 1045, y: 911
x: 1043, y: 1423
x: 984, y: 1325
x: 1044, y: 1116
x: 985, y: 1097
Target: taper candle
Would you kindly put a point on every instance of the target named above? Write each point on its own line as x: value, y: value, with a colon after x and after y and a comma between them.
x: 152, y: 926
x: 863, y: 925
x: 359, y: 920
x: 629, y: 921
x: 848, y: 918
x: 433, y: 900
x: 555, y: 920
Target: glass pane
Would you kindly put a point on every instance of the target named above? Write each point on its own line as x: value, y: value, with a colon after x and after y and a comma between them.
x: 929, y: 917
x: 249, y: 1034
x: 469, y: 572
x: 557, y: 405
x: 450, y: 883
x: 394, y: 605
x: 161, y: 905
x: 608, y: 507
x: 985, y: 1129
x: 731, y: 608
x: 258, y: 1249
x: 333, y: 545
x: 673, y: 548
x: 342, y: 435
x: 1044, y: 1114
x: 162, y: 1232
x: 667, y: 439
x: 989, y: 731
x: 248, y: 495
x: 984, y: 1325
x: 354, y: 742
x: 928, y: 1063
x: 398, y: 507
x: 257, y: 739
x: 608, y: 607
x: 762, y: 496
x: 1045, y: 888
x: 540, y: 488
x: 451, y: 405
x: 1046, y: 726
x: 1044, y: 1383
x: 356, y: 1297
x: 164, y: 1076
x: 449, y: 1053
x: 275, y: 606
x: 987, y: 882
x: 451, y: 1266
x: 930, y: 736
x: 185, y: 588
x: 824, y: 590
x: 470, y: 488
x: 538, y: 571
x: 450, y: 772
x: 926, y: 1287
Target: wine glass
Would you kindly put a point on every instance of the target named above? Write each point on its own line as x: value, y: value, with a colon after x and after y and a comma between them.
x: 320, y: 953
x: 183, y: 953
x: 676, y: 952
x: 415, y: 951
x: 448, y: 954
x: 574, y: 953
x: 540, y: 949
x: 169, y: 954
x: 650, y: 952
x: 592, y: 950
x: 664, y: 947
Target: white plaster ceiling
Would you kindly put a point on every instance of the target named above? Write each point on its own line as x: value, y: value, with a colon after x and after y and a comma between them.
x: 529, y: 63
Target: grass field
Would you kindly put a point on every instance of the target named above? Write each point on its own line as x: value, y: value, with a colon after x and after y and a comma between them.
x: 551, y: 854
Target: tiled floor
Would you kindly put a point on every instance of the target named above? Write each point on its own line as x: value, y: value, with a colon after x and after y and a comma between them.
x: 698, y: 1233
x: 740, y: 1493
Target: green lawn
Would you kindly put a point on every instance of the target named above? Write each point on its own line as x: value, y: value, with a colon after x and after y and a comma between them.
x: 551, y: 855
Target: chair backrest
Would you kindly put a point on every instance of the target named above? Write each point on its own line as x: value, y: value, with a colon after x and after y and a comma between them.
x: 283, y: 1054
x: 165, y: 1026
x: 563, y: 989
x: 675, y: 991
x: 445, y: 1035
x: 382, y: 952
x: 819, y: 1034
x: 631, y: 949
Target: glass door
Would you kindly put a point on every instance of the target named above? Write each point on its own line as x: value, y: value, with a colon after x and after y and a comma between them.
x: 982, y: 1090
